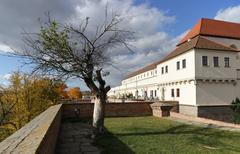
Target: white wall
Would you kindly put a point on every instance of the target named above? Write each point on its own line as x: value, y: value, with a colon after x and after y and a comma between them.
x: 216, y: 93
x: 207, y: 93
x: 174, y: 74
x: 211, y: 72
x: 187, y: 93
x: 152, y: 79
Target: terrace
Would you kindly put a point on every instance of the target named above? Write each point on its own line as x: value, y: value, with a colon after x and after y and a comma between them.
x: 66, y: 128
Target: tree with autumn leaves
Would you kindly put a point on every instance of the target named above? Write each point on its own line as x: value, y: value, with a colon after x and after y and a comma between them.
x: 74, y: 93
x: 25, y: 98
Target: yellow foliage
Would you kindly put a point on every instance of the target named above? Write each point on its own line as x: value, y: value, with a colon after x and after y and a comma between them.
x: 74, y: 93
x: 26, y: 97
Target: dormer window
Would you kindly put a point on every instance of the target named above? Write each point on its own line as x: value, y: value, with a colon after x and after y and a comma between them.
x: 233, y: 46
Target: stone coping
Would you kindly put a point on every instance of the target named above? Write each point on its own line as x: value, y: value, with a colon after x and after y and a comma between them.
x: 162, y: 104
x: 30, y: 137
x: 109, y: 103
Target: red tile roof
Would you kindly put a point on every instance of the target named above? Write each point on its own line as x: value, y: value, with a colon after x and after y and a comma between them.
x: 142, y: 70
x: 210, y: 27
x: 198, y: 42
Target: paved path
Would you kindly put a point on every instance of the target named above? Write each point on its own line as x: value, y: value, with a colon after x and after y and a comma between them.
x: 208, y: 123
x: 74, y: 138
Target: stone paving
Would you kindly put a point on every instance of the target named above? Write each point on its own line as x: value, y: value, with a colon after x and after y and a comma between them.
x: 203, y: 122
x: 74, y: 138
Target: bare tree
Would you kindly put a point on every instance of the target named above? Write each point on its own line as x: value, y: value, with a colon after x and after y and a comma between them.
x: 67, y: 51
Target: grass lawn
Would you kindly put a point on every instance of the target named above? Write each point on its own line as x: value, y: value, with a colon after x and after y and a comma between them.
x: 158, y: 135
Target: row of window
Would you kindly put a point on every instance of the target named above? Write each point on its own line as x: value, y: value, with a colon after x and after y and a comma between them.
x: 183, y: 64
x: 178, y: 66
x: 205, y: 62
x: 146, y: 74
x: 166, y: 69
x: 215, y: 61
x: 177, y: 92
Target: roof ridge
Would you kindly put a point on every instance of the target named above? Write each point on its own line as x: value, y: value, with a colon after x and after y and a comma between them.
x: 201, y: 25
x: 198, y: 38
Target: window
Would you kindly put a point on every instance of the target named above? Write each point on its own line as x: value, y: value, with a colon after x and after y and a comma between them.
x: 145, y: 94
x: 162, y: 70
x: 172, y: 92
x: 215, y: 62
x: 166, y: 69
x: 184, y: 63
x: 204, y: 61
x: 178, y: 65
x: 155, y: 93
x: 151, y: 93
x: 226, y: 62
x: 155, y: 71
x: 178, y: 92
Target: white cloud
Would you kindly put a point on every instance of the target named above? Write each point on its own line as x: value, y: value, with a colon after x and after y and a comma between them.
x: 5, y: 48
x: 4, y: 79
x: 229, y: 14
x: 151, y: 44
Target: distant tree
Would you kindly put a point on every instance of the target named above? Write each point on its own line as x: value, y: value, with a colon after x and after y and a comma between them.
x: 236, y: 109
x: 74, y: 93
x: 25, y: 98
x: 62, y: 90
x: 65, y: 51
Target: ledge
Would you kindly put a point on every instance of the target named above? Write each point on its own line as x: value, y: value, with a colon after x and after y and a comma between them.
x: 37, y: 136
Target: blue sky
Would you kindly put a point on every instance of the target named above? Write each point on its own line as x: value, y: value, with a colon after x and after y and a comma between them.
x: 188, y: 12
x: 174, y: 16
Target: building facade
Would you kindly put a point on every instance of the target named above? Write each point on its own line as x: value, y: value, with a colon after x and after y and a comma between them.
x: 202, y: 73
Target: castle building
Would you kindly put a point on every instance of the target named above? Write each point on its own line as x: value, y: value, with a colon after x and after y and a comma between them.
x: 202, y: 73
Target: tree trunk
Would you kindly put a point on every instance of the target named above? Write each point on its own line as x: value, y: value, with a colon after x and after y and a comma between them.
x: 98, y: 115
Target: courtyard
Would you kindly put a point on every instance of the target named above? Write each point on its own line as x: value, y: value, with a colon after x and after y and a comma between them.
x: 161, y: 135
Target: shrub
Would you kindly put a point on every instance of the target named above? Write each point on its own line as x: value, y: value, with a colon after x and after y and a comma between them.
x: 236, y: 109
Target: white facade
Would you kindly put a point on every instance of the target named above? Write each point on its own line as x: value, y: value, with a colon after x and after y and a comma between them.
x: 195, y: 85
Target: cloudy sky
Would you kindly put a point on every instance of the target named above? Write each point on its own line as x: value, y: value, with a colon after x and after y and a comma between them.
x: 158, y: 24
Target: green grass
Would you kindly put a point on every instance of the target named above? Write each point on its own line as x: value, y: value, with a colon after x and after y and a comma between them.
x: 158, y: 135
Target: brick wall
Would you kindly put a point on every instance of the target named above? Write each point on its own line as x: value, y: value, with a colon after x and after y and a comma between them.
x: 111, y: 109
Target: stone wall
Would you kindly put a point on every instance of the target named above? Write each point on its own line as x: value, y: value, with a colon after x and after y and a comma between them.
x: 188, y: 110
x: 40, y: 134
x: 111, y: 109
x: 37, y: 136
x: 222, y: 113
